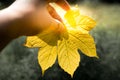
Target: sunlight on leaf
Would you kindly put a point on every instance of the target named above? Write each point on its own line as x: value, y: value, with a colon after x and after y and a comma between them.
x: 47, y: 57
x: 65, y: 45
x: 68, y: 57
x: 84, y: 42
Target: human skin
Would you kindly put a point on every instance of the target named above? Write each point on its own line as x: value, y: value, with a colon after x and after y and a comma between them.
x: 28, y: 17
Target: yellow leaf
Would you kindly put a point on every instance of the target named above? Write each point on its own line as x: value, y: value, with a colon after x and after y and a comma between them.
x: 75, y: 20
x: 85, y: 22
x: 66, y: 44
x: 80, y: 34
x: 68, y: 57
x: 47, y: 57
x: 40, y: 40
x: 84, y: 42
x: 34, y: 42
x: 47, y: 41
x: 70, y: 17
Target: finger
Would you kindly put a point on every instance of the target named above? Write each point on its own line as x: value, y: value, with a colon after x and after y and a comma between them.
x: 46, y: 21
x: 63, y: 4
x: 57, y: 27
x: 55, y: 24
x: 53, y: 13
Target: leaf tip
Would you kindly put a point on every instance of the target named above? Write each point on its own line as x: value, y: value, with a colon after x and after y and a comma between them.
x: 97, y: 56
x: 43, y: 71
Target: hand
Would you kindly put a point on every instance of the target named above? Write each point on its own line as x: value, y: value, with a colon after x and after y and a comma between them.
x: 28, y: 17
x: 33, y: 18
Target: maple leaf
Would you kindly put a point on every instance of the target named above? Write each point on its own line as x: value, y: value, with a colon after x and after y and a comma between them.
x: 65, y: 45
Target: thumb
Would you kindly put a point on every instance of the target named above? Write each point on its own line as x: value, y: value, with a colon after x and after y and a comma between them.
x: 57, y: 27
x: 57, y: 23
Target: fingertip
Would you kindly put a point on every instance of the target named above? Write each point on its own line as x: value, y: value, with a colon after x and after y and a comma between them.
x: 58, y: 26
x: 64, y: 4
x: 53, y: 13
